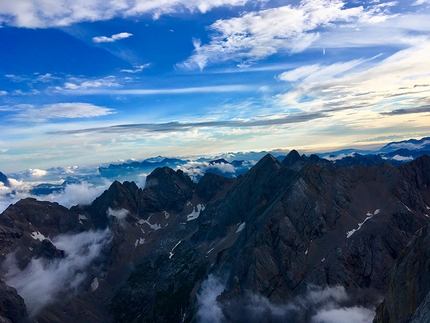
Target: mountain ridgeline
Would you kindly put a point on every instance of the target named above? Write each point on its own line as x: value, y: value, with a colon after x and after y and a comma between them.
x: 286, y: 241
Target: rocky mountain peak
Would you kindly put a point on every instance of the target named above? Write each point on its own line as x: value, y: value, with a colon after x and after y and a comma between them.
x: 292, y: 158
x: 166, y: 189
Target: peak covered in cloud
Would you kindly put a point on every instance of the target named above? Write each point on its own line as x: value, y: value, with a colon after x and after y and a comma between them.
x: 113, y: 38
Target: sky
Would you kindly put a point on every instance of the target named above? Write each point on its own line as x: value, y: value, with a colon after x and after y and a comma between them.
x: 90, y: 81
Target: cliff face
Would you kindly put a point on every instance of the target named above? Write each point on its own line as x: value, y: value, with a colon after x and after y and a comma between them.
x: 408, y: 295
x: 272, y: 232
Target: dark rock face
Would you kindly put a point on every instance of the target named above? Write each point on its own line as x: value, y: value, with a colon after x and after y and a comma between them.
x: 48, y: 215
x: 118, y: 196
x: 4, y: 179
x: 12, y: 306
x: 211, y: 184
x: 166, y: 190
x: 408, y: 295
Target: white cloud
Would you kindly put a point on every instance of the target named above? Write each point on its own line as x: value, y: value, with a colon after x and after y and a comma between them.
x: 120, y: 214
x: 79, y: 194
x: 37, y: 172
x: 209, y: 309
x: 79, y: 84
x: 290, y: 29
x: 195, y: 169
x: 340, y: 315
x: 42, y: 282
x: 113, y: 38
x: 2, y: 93
x: 137, y: 68
x: 60, y: 111
x: 48, y: 13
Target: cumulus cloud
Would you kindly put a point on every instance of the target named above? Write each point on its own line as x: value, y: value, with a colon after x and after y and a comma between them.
x: 196, y: 169
x: 47, y: 13
x: 317, y: 305
x: 43, y: 282
x: 289, y: 29
x: 113, y: 38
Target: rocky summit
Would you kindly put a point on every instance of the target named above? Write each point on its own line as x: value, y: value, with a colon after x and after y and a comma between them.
x: 293, y: 240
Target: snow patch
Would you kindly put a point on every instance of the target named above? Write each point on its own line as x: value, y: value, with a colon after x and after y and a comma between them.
x: 210, y: 251
x: 369, y: 216
x: 307, y: 251
x: 241, y: 227
x: 171, y: 252
x: 94, y: 284
x: 166, y: 215
x: 154, y: 227
x: 36, y: 235
x: 406, y: 207
x: 82, y: 217
x: 427, y: 207
x: 196, y: 212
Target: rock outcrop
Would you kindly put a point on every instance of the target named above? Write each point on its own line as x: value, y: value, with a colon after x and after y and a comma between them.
x: 408, y: 296
x: 12, y: 306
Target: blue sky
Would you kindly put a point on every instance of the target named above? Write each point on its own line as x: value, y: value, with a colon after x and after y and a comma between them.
x: 91, y: 81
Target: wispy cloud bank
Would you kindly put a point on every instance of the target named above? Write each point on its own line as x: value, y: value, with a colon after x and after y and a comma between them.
x: 46, y: 13
x: 75, y: 110
x: 113, y: 38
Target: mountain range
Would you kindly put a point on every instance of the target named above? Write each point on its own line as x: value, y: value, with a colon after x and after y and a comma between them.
x: 299, y: 239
